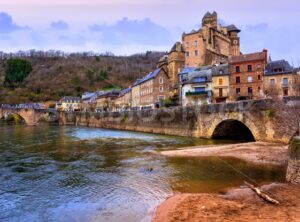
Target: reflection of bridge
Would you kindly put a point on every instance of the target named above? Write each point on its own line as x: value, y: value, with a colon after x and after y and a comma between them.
x: 30, y: 116
x: 259, y: 120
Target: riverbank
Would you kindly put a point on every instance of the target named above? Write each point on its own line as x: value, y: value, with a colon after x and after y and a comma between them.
x: 256, y: 152
x: 240, y: 204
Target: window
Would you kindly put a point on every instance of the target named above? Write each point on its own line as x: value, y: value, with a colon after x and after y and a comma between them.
x: 249, y: 78
x: 249, y: 68
x: 220, y: 82
x: 258, y: 66
x: 187, y: 44
x: 237, y: 79
x: 161, y: 80
x: 249, y: 90
x: 272, y: 82
x: 160, y: 98
x: 187, y: 54
x: 258, y: 77
x: 238, y: 91
x: 199, y: 89
x: 220, y: 92
x: 196, y: 44
x: 199, y: 79
x: 196, y: 52
x: 161, y: 89
x: 285, y: 92
x: 237, y: 69
x: 285, y: 81
x: 221, y: 72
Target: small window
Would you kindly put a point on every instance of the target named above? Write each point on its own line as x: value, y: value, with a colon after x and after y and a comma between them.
x: 250, y: 90
x: 272, y: 82
x: 249, y: 68
x: 249, y: 78
x: 196, y: 52
x: 285, y: 81
x: 221, y: 72
x: 187, y: 44
x: 238, y: 91
x: 238, y: 79
x: 161, y: 89
x: 258, y: 66
x: 285, y: 92
x: 161, y: 80
x: 187, y: 54
x: 258, y: 77
x: 220, y: 82
x: 237, y: 69
x: 196, y: 44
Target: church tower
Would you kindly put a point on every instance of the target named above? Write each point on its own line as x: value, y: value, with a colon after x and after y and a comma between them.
x: 233, y: 32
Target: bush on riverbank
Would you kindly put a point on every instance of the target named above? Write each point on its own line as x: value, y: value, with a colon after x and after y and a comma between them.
x: 293, y: 171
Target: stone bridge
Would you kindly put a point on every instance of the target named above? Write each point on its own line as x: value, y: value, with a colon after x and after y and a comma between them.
x: 30, y: 116
x: 257, y: 120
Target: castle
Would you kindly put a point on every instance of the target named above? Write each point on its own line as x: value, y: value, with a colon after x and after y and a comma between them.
x: 211, y: 44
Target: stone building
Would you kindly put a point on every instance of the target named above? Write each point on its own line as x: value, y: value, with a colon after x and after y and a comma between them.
x: 135, y: 95
x: 246, y: 75
x: 69, y: 103
x: 220, y: 83
x: 154, y: 88
x: 197, y: 87
x: 281, y: 79
x: 175, y: 64
x: 105, y: 101
x: 123, y: 101
x: 212, y: 43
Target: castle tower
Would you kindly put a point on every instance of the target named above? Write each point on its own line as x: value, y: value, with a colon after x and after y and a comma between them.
x: 210, y: 20
x: 233, y: 32
x: 176, y: 61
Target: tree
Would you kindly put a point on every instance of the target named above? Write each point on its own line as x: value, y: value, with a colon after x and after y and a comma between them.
x: 16, y: 71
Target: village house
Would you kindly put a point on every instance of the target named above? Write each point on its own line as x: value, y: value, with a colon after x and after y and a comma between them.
x: 89, y: 101
x: 135, y: 95
x: 220, y: 83
x: 246, y: 75
x: 68, y: 104
x: 123, y: 101
x: 211, y: 44
x: 154, y: 88
x: 105, y: 100
x: 281, y: 79
x: 197, y: 87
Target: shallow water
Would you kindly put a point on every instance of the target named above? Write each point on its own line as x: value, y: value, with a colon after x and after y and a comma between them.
x: 53, y: 173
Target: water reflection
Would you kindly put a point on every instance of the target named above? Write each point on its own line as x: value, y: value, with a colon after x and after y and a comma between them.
x: 52, y: 173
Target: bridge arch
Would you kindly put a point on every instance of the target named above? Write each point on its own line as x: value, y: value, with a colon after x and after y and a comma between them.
x: 233, y: 129
x: 15, y: 117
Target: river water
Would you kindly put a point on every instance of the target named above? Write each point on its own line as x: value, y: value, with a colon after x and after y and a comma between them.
x: 51, y: 173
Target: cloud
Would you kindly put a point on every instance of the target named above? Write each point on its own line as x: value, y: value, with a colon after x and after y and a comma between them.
x: 60, y: 25
x: 126, y: 31
x: 6, y: 24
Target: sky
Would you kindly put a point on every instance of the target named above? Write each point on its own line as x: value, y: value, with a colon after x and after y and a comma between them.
x: 126, y: 27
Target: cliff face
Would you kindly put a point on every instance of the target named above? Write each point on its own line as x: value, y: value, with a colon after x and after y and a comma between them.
x: 293, y: 171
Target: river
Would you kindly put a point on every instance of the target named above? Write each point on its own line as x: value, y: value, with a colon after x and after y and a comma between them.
x: 51, y: 173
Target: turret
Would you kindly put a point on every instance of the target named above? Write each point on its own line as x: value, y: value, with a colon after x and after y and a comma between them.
x: 210, y: 20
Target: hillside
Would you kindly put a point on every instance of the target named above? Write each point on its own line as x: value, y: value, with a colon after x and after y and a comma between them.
x: 55, y: 76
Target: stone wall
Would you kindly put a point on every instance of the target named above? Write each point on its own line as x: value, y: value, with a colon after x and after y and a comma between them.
x: 293, y: 170
x: 261, y: 118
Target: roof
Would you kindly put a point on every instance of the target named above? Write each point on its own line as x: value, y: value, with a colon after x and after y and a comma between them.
x: 205, y: 72
x: 125, y: 91
x: 222, y: 69
x: 247, y: 57
x: 151, y: 75
x: 72, y: 98
x: 232, y: 28
x: 207, y: 15
x: 187, y: 69
x: 111, y: 93
x: 278, y: 67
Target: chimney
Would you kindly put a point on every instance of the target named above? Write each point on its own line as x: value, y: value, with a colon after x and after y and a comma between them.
x: 265, y: 51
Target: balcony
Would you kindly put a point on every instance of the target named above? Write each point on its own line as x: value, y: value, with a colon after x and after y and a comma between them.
x: 200, y: 93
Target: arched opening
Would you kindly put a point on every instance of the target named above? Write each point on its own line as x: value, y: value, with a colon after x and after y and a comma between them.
x: 233, y: 130
x: 14, y: 118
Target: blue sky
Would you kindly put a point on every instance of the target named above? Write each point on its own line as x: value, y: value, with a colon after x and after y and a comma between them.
x: 129, y: 26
